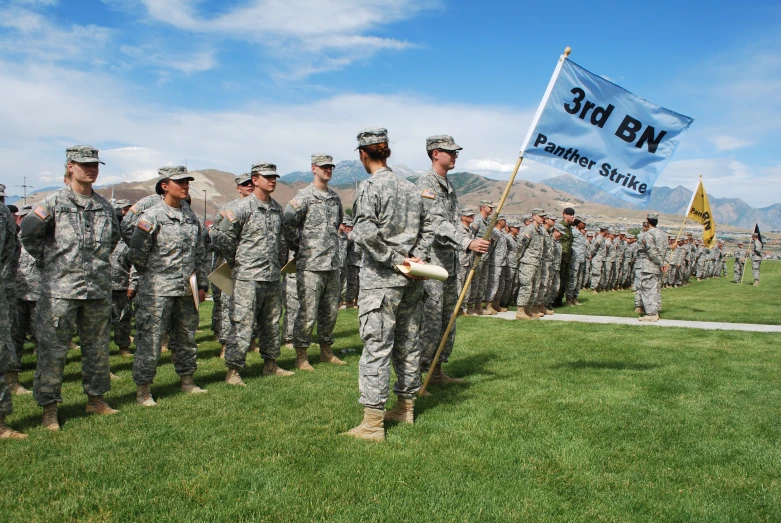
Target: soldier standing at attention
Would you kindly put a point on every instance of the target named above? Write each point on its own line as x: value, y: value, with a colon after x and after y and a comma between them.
x: 465, y: 258
x: 7, y: 253
x: 480, y: 278
x: 311, y: 228
x: 529, y: 254
x: 740, y: 253
x: 252, y: 243
x: 567, y: 221
x: 511, y: 287
x: 500, y: 266
x: 598, y: 250
x: 392, y: 228
x: 121, y: 294
x: 167, y: 250
x: 653, y: 247
x: 578, y: 254
x: 353, y: 279
x: 28, y: 289
x: 71, y: 235
x: 441, y: 203
x: 756, y: 257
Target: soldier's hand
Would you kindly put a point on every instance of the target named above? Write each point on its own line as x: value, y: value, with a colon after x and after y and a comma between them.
x: 201, y: 295
x: 131, y: 293
x: 407, y: 262
x: 479, y: 245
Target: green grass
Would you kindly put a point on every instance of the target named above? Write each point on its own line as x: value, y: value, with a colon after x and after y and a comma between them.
x: 558, y: 422
x: 714, y: 299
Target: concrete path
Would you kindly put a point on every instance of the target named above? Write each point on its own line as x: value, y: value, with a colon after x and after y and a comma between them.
x: 709, y: 325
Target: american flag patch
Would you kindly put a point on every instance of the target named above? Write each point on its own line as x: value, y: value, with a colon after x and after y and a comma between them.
x: 228, y: 215
x: 144, y: 225
x: 133, y: 209
x: 42, y: 213
x: 428, y: 193
x: 294, y: 204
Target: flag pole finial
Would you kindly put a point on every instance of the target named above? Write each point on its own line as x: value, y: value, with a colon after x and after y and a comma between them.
x: 567, y: 51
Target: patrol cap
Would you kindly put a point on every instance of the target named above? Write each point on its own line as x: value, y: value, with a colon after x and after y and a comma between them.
x: 82, y: 154
x: 653, y: 216
x: 580, y: 219
x: 176, y: 173
x: 603, y: 228
x: 501, y: 218
x: 347, y: 221
x: 538, y: 212
x: 372, y: 136
x: 24, y: 211
x: 467, y: 211
x: 590, y: 233
x: 2, y: 189
x: 630, y: 236
x: 264, y: 169
x: 442, y: 141
x: 559, y: 227
x: 487, y: 203
x: 526, y: 217
x: 243, y: 178
x: 321, y: 160
x: 123, y: 203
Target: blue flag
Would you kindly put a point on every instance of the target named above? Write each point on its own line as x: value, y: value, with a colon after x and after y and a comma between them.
x: 603, y: 134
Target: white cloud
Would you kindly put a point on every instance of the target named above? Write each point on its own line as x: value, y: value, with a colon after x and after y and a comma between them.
x: 483, y: 165
x: 194, y: 63
x: 729, y: 143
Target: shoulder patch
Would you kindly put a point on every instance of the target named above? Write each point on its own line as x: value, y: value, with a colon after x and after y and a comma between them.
x: 295, y: 204
x: 228, y: 215
x: 42, y: 213
x: 144, y: 225
x: 133, y: 209
x: 428, y: 193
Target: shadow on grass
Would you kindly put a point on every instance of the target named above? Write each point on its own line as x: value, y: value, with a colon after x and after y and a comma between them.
x: 606, y: 365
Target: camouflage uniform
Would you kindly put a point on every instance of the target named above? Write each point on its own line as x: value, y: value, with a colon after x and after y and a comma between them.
x: 167, y: 248
x: 252, y: 243
x: 610, y: 264
x: 578, y: 250
x: 441, y: 203
x: 756, y: 258
x: 72, y: 240
x: 546, y: 263
x: 598, y: 254
x: 28, y: 290
x: 311, y: 229
x: 565, y: 270
x: 353, y: 277
x: 390, y: 225
x: 555, y: 271
x: 530, y: 246
x: 7, y: 252
x: 121, y: 309
x: 290, y: 300
x: 500, y: 267
x: 640, y: 258
x: 649, y: 289
x: 480, y: 279
x: 511, y: 286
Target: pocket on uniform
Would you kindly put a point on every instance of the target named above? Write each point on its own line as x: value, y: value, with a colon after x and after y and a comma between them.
x: 370, y: 384
x: 370, y: 317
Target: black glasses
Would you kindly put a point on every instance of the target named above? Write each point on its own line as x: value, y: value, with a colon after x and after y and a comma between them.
x: 454, y: 154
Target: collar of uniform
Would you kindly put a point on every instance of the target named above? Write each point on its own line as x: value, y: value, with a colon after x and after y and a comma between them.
x: 260, y: 203
x: 91, y: 203
x: 443, y: 180
x: 321, y: 195
x: 388, y: 169
x: 171, y: 212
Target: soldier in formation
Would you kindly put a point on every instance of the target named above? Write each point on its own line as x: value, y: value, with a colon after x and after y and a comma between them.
x: 756, y: 257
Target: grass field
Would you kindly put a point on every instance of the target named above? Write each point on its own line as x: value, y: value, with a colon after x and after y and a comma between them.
x: 715, y: 299
x: 558, y: 422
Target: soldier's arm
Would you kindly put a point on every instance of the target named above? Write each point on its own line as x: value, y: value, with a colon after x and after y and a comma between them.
x: 292, y: 218
x: 141, y: 242
x: 116, y: 232
x: 34, y: 227
x: 133, y: 281
x: 426, y: 235
x: 201, y: 259
x: 366, y: 233
x: 445, y: 233
x: 230, y: 229
x: 523, y: 243
x: 128, y: 225
x: 8, y: 250
x: 653, y: 252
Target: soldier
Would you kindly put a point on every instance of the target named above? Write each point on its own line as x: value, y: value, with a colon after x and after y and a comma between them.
x: 167, y: 251
x: 311, y: 228
x: 500, y: 266
x: 441, y: 203
x: 511, y: 285
x: 343, y: 242
x: 530, y: 246
x: 466, y: 257
x: 122, y: 292
x: 578, y: 255
x: 71, y: 234
x: 7, y: 253
x: 252, y: 243
x: 392, y: 228
x: 610, y: 260
x: 28, y: 288
x: 291, y: 304
x: 740, y: 254
x: 630, y: 255
x: 756, y: 257
x: 480, y: 278
x: 353, y: 278
x: 568, y: 222
x: 620, y: 242
x: 558, y: 233
x: 598, y: 250
x: 546, y: 262
x: 652, y: 270
x: 587, y: 271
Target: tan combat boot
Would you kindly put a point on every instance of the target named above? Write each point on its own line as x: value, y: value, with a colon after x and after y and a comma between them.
x: 97, y: 405
x: 253, y: 347
x: 489, y: 310
x: 461, y: 312
x: 50, y: 417
x: 12, y: 378
x: 222, y: 352
x: 232, y: 377
x: 189, y: 386
x: 523, y: 314
x: 649, y: 317
x: 577, y: 303
x: 351, y: 304
x: 640, y: 310
x: 547, y: 310
x: 403, y: 412
x: 113, y: 377
x: 756, y: 283
x: 471, y: 310
x: 439, y: 376
x: 7, y: 432
x: 536, y: 312
x: 371, y: 428
x: 270, y: 368
x: 327, y: 356
x: 570, y: 302
x: 302, y: 360
x: 144, y: 395
x: 125, y: 353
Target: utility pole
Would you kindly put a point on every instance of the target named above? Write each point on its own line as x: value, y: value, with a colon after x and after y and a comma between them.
x: 204, y: 206
x: 25, y: 187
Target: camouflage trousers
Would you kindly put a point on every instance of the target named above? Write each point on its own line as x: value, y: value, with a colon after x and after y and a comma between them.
x: 389, y: 324
x: 54, y: 327
x: 650, y: 292
x: 256, y: 305
x: 498, y: 282
x: 543, y: 284
x: 318, y: 296
x: 755, y: 269
x: 224, y: 327
x: 479, y: 282
x: 701, y: 269
x: 463, y: 274
x: 577, y: 271
x: 157, y: 316
x: 610, y: 274
x: 441, y: 298
x: 352, y: 283
x: 565, y: 271
x: 627, y: 272
x: 26, y: 312
x: 216, y: 310
x: 121, y: 314
x: 737, y: 271
x: 587, y: 274
x: 636, y: 286
x: 6, y: 355
x: 510, y: 287
x: 290, y: 296
x: 597, y: 275
x: 553, y: 290
x: 528, y: 284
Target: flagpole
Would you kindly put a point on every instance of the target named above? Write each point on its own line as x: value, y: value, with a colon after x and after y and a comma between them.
x: 478, y: 257
x: 745, y: 258
x: 686, y: 215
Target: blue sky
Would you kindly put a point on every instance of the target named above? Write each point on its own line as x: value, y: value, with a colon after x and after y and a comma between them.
x: 223, y: 84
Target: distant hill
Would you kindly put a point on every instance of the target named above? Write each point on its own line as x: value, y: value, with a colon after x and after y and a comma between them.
x: 347, y: 171
x: 730, y: 211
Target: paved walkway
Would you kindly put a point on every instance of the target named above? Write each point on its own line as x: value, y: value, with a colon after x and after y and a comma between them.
x: 709, y: 325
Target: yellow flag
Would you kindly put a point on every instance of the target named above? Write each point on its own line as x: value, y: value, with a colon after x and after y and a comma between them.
x: 699, y: 211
